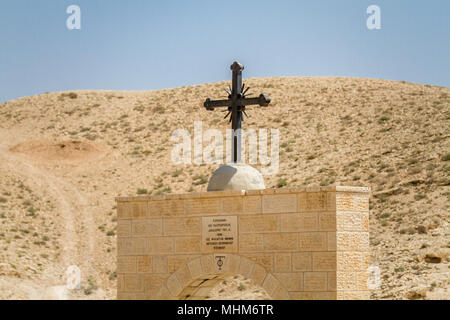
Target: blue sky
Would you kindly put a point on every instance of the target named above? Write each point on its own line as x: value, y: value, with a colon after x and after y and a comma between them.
x: 146, y: 45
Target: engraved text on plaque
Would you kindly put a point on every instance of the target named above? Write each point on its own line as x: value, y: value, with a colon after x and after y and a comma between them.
x: 219, y: 234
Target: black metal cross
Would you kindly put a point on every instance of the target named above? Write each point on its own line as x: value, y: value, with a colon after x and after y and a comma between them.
x: 236, y: 104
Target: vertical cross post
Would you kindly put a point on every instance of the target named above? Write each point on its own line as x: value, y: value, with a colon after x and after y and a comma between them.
x: 236, y: 111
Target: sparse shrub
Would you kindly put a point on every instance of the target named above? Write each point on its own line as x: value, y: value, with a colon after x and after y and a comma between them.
x: 3, y: 200
x: 71, y: 95
x: 200, y: 179
x: 326, y: 181
x: 136, y: 151
x: 383, y: 119
x: 158, y: 109
x: 446, y: 157
x: 113, y: 276
x: 164, y: 191
x: 92, y: 286
x: 90, y: 136
x: 353, y: 164
x: 282, y: 183
x: 383, y: 166
x: 415, y: 170
x: 386, y: 129
x: 139, y: 108
x: 142, y: 191
x: 176, y: 173
x: 420, y: 196
x: 31, y: 211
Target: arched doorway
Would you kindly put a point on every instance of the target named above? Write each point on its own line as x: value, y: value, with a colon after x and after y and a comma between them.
x: 223, y: 286
x: 198, y: 278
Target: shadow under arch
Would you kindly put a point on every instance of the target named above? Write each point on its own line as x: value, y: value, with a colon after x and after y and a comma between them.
x: 197, y: 271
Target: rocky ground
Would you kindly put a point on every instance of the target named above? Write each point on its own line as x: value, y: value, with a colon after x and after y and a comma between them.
x: 64, y: 157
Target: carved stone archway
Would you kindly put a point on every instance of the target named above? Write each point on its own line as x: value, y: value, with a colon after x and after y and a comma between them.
x: 197, y: 277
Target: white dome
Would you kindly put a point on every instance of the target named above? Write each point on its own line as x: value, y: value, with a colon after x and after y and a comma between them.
x: 236, y: 176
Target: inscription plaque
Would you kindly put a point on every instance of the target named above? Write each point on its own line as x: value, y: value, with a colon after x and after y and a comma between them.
x: 219, y: 234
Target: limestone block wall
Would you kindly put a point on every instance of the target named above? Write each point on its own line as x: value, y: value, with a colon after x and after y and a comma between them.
x: 305, y: 243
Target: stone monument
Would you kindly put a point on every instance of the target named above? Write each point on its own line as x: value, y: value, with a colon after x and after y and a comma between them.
x: 304, y: 243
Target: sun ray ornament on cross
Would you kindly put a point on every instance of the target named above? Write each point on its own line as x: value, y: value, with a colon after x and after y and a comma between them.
x: 236, y: 103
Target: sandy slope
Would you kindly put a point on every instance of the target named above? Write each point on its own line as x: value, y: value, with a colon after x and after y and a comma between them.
x: 64, y: 157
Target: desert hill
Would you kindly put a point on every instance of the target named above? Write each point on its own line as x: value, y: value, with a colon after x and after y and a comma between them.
x: 64, y: 157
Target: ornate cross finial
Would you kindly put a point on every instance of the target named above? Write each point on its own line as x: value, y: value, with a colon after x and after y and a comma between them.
x: 236, y: 103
